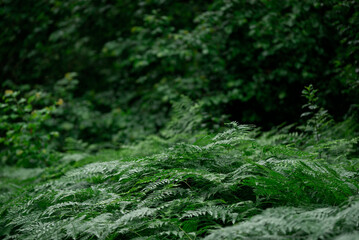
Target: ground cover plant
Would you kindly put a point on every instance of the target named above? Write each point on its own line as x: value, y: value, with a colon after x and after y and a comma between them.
x: 237, y: 184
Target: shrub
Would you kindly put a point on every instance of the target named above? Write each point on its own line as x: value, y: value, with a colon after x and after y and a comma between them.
x: 24, y: 142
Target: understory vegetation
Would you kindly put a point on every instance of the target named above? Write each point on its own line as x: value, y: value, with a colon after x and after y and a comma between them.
x: 166, y: 119
x: 237, y: 184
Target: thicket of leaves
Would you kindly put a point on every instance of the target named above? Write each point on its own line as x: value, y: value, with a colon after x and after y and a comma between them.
x: 246, y: 59
x: 22, y: 139
x: 237, y: 184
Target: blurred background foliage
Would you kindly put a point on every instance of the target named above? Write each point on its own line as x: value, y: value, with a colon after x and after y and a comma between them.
x: 114, y: 68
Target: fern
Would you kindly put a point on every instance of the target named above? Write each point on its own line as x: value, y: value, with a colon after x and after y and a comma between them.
x: 295, y: 223
x: 225, y: 186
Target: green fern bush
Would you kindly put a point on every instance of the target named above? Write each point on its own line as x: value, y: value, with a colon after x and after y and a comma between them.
x: 297, y: 223
x: 225, y: 186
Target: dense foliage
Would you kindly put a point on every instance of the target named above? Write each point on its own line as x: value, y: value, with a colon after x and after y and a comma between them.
x: 114, y: 119
x: 245, y: 60
x: 227, y: 186
x: 193, y: 185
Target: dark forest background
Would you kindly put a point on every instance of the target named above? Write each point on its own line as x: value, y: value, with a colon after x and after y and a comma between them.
x: 113, y: 69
